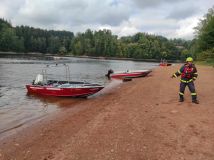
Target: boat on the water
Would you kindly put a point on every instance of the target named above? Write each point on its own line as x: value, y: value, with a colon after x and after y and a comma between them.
x: 127, y: 74
x: 165, y: 64
x: 47, y: 87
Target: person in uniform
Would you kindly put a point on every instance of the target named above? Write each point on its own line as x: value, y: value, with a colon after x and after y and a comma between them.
x: 188, y: 73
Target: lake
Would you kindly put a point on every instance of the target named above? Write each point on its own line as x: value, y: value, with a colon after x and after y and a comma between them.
x: 18, y: 109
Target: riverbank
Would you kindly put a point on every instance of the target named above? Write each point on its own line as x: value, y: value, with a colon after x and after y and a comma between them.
x: 208, y: 62
x: 141, y: 119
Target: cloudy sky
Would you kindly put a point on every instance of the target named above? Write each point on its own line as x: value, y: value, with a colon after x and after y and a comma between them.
x: 169, y: 18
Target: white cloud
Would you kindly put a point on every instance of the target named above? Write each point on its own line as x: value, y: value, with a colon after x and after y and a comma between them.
x: 153, y: 3
x: 8, y: 8
x: 187, y: 28
x: 74, y: 12
x: 126, y: 28
x: 2, y: 11
x: 169, y: 18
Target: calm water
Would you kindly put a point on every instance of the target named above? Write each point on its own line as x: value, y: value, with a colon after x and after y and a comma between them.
x: 17, y: 109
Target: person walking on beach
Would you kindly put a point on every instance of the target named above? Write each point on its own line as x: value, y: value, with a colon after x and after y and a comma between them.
x: 188, y: 74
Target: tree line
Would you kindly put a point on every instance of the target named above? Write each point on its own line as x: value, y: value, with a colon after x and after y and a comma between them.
x: 28, y: 39
x: 90, y: 43
x: 202, y: 46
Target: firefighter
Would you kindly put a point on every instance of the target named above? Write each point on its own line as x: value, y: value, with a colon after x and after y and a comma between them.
x: 188, y: 73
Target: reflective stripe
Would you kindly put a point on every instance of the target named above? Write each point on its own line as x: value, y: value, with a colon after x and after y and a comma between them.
x: 190, y: 80
x: 195, y: 73
x: 194, y: 77
x: 175, y: 75
x: 186, y: 81
x: 183, y: 81
x: 179, y: 71
x: 193, y: 94
x: 181, y: 93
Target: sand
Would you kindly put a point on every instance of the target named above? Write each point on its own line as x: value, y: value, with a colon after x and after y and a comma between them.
x: 139, y: 120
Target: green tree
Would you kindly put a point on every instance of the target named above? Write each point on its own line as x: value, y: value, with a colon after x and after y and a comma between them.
x: 204, y: 44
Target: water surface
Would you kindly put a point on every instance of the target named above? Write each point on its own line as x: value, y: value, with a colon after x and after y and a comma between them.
x: 18, y: 109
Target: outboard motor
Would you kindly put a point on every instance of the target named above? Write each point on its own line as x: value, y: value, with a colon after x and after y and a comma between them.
x: 110, y: 71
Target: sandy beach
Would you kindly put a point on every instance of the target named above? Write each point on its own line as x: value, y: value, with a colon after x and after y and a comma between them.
x: 139, y: 120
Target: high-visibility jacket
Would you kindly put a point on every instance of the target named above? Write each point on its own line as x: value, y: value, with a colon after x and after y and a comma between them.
x: 187, y: 73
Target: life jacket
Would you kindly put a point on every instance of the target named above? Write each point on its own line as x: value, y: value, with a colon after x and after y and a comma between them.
x: 187, y: 72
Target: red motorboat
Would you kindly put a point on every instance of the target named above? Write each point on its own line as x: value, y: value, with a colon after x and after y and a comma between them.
x: 64, y: 89
x: 127, y: 74
x: 165, y: 64
x: 42, y: 86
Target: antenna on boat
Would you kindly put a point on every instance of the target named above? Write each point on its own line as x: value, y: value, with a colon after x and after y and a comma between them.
x: 67, y: 72
x: 44, y: 74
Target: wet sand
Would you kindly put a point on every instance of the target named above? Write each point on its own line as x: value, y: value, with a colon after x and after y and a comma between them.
x: 141, y: 120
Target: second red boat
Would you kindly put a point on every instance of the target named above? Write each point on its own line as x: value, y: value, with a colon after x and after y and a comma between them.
x: 127, y: 74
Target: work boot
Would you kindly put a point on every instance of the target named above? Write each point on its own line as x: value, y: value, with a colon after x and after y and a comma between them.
x: 195, y: 101
x: 181, y: 99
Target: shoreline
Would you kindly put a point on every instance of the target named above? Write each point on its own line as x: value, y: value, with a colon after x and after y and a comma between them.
x: 140, y: 119
x: 51, y: 56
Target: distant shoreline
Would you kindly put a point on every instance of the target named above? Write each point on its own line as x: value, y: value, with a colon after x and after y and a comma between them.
x: 17, y: 55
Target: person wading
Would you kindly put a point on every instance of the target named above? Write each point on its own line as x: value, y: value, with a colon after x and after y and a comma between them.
x: 188, y: 73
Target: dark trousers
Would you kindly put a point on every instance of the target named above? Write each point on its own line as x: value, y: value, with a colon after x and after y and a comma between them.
x: 191, y: 87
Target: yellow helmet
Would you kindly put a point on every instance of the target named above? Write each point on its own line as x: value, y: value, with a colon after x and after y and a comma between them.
x: 189, y: 59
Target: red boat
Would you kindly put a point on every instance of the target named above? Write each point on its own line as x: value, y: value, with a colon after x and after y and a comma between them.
x: 165, y: 64
x: 127, y: 74
x: 64, y: 89
x: 42, y: 86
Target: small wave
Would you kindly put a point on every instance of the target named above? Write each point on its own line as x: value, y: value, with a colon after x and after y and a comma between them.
x: 9, y: 131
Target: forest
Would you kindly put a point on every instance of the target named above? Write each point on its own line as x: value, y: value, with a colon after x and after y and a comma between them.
x: 102, y: 43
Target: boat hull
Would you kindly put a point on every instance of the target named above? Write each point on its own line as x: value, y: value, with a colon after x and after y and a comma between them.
x: 129, y: 74
x: 63, y: 92
x: 165, y: 64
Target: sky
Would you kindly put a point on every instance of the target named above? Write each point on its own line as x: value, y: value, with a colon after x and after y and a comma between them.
x: 169, y: 18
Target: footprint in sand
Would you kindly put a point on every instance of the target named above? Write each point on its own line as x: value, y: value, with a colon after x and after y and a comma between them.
x: 56, y: 156
x: 59, y: 156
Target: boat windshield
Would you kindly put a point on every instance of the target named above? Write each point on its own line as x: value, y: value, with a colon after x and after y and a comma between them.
x: 49, y: 73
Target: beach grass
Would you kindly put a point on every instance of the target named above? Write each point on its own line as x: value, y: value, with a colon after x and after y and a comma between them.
x: 208, y: 62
